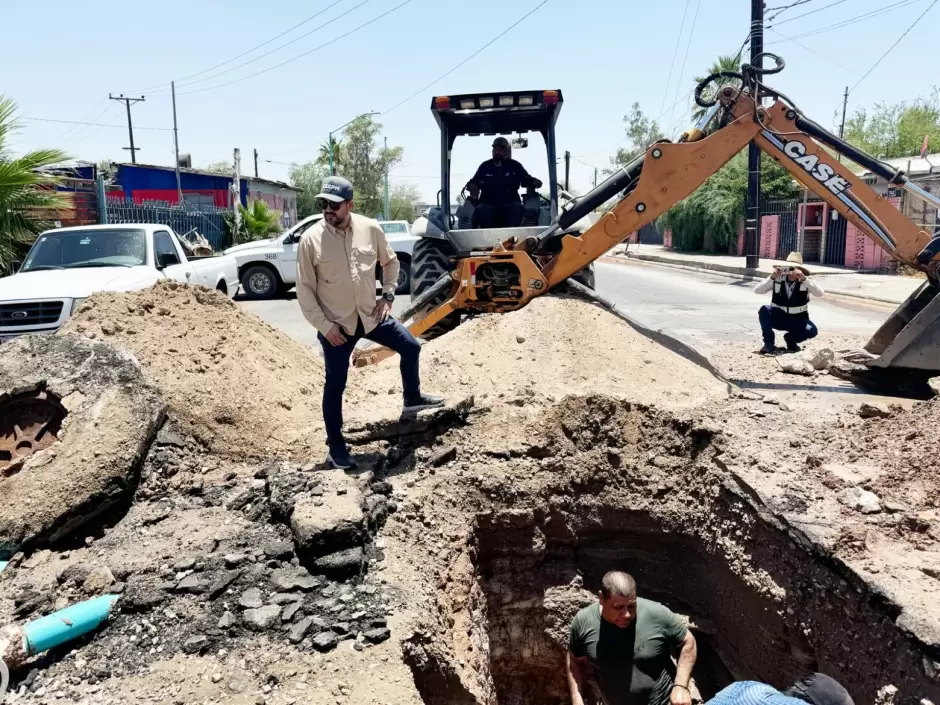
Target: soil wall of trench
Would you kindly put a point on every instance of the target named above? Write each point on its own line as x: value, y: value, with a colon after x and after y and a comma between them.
x: 625, y: 487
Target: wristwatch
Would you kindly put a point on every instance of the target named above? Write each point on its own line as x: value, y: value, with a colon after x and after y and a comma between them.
x: 388, y: 296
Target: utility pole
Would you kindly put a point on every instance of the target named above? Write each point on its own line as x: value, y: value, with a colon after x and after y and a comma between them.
x: 752, y: 205
x: 567, y: 167
x: 237, y: 189
x: 176, y: 146
x: 387, y: 205
x: 256, y: 163
x: 130, y: 125
x: 845, y: 105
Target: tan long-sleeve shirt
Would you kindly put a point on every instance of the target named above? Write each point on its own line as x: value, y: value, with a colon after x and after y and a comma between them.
x: 336, y: 273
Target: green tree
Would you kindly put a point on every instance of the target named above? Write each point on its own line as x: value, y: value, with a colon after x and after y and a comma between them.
x: 641, y: 131
x: 226, y: 168
x: 365, y: 163
x: 731, y: 62
x: 26, y: 194
x: 339, y: 155
x: 715, y: 210
x: 896, y: 130
x: 308, y: 177
x: 403, y: 199
x: 258, y: 222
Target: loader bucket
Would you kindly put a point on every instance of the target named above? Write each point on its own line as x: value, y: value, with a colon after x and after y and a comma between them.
x: 910, y: 338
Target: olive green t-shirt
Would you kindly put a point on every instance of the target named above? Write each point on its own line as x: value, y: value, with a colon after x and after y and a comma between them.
x: 632, y: 666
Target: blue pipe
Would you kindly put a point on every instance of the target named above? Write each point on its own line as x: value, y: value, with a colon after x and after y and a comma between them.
x: 63, y: 626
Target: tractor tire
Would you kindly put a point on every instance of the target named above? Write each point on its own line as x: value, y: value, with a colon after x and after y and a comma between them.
x: 585, y: 276
x: 431, y: 259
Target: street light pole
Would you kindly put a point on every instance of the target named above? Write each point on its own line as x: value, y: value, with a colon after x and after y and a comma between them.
x: 340, y: 129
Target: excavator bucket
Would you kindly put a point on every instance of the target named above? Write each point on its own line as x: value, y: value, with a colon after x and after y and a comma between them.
x: 910, y: 338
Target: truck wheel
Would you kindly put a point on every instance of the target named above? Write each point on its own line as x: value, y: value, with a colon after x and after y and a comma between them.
x: 260, y: 282
x: 585, y: 276
x: 431, y: 259
x: 404, y: 276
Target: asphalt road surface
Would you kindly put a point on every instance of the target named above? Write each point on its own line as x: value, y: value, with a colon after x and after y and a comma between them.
x: 697, y: 308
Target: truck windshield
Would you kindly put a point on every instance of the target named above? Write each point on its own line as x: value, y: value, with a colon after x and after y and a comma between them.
x: 70, y: 249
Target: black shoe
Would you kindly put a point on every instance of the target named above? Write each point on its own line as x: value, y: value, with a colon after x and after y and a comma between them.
x: 425, y: 401
x: 340, y: 459
x: 791, y: 346
x: 768, y: 349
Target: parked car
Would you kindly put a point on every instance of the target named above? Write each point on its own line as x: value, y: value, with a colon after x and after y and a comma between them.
x: 66, y: 265
x: 268, y: 268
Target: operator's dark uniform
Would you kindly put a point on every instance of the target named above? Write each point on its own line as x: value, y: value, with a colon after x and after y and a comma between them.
x: 500, y: 206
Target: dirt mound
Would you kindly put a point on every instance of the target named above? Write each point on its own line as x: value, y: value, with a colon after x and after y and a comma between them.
x: 553, y: 347
x: 234, y: 382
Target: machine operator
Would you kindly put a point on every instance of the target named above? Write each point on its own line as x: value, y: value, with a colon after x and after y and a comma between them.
x: 499, y: 179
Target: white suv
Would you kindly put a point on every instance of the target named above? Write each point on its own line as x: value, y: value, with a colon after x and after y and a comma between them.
x: 268, y: 268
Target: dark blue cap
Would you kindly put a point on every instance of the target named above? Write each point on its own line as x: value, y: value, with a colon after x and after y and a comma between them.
x: 336, y: 189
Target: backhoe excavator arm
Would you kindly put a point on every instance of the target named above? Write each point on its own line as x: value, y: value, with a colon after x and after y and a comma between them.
x: 512, y: 274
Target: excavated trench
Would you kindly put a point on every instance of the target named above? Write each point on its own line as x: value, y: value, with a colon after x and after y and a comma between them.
x: 763, y: 602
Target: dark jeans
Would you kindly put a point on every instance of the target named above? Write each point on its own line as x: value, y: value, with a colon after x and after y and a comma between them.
x: 796, y: 325
x: 507, y: 215
x: 392, y: 335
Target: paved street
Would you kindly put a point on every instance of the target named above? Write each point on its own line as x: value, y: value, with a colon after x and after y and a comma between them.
x: 697, y: 308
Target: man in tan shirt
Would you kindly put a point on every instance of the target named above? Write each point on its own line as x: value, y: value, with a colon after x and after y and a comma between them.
x: 336, y: 262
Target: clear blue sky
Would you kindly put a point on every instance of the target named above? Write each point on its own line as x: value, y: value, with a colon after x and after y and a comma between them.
x: 603, y: 54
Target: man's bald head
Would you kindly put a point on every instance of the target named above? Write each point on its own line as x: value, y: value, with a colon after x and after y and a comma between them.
x: 618, y: 583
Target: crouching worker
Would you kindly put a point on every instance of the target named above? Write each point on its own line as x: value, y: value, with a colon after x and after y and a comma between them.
x: 788, y: 309
x: 626, y: 643
x: 815, y: 689
x: 336, y: 262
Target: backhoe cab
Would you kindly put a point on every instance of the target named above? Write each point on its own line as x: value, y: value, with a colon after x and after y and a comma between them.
x: 443, y: 239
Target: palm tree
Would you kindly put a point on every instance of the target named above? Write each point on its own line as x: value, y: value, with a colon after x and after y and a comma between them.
x: 731, y: 62
x: 339, y: 154
x: 26, y: 194
x: 258, y: 221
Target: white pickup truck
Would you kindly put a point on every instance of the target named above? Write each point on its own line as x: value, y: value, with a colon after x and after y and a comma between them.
x: 66, y: 265
x: 268, y: 268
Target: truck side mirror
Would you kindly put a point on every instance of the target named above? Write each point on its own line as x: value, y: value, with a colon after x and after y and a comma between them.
x: 167, y: 259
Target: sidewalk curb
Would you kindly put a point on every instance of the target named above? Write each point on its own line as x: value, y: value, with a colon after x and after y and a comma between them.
x: 751, y: 275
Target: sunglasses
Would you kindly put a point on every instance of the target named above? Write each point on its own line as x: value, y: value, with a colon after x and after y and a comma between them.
x: 331, y: 205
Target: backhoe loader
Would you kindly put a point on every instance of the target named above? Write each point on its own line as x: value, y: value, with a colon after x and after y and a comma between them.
x: 508, y: 276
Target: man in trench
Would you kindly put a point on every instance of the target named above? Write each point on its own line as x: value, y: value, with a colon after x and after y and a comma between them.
x: 627, y: 643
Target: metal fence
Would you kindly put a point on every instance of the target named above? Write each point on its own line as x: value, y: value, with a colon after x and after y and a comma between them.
x: 206, y: 220
x: 820, y: 240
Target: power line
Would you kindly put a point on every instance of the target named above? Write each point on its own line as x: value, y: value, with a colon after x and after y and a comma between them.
x: 454, y: 68
x: 811, y: 12
x: 93, y: 124
x: 300, y: 56
x: 88, y: 115
x: 784, y: 8
x: 276, y: 49
x: 685, y: 59
x: 675, y: 53
x: 913, y: 24
x: 813, y: 51
x: 162, y: 86
x: 857, y: 18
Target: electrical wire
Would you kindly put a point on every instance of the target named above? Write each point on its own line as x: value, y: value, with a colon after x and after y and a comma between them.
x: 457, y: 66
x: 784, y: 8
x: 675, y: 53
x: 813, y: 51
x: 811, y: 12
x: 182, y: 83
x: 904, y: 34
x: 685, y: 60
x: 92, y: 124
x: 857, y: 18
x: 72, y: 128
x: 244, y: 53
x: 306, y: 53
